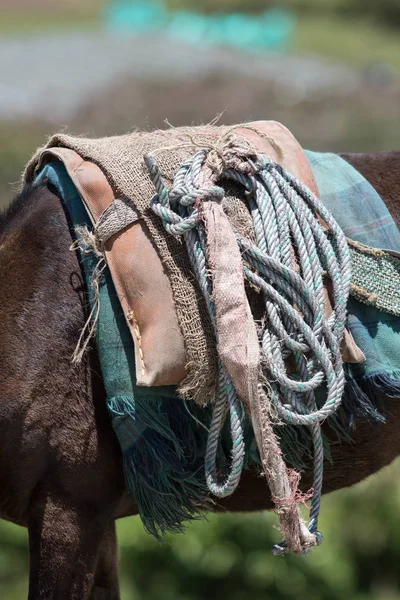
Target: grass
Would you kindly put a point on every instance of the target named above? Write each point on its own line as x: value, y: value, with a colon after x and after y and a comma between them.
x: 59, y: 18
x: 19, y: 141
x: 32, y: 23
x: 352, y: 41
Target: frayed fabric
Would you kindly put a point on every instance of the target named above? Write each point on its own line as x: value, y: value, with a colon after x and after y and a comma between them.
x: 163, y: 466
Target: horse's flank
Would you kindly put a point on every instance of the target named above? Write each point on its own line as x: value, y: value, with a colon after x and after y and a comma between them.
x: 60, y: 465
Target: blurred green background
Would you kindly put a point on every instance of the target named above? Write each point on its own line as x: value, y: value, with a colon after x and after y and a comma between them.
x: 334, y: 79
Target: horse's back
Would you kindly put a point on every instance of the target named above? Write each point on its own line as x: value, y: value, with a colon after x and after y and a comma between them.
x: 382, y: 170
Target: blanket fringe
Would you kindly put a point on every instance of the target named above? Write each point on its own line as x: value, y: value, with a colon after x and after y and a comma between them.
x: 163, y: 447
x: 163, y: 464
x: 362, y: 401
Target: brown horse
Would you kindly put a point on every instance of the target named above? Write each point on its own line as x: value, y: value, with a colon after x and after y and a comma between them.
x: 60, y: 464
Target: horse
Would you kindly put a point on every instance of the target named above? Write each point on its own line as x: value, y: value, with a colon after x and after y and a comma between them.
x: 61, y: 471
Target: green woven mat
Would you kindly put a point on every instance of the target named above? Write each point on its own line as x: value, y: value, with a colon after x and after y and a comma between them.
x: 375, y: 277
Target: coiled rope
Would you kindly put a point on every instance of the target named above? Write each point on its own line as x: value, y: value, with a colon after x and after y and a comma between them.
x: 300, y: 345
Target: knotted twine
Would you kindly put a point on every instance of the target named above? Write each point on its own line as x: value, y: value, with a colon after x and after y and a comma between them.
x: 286, y: 264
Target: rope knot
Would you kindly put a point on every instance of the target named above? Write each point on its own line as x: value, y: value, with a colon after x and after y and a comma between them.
x: 212, y: 194
x: 232, y: 152
x: 186, y: 196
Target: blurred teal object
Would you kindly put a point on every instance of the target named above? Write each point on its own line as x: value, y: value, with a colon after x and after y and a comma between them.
x: 136, y: 17
x: 271, y: 30
x: 188, y: 26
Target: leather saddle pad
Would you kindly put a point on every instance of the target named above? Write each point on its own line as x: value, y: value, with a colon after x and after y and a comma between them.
x: 141, y: 281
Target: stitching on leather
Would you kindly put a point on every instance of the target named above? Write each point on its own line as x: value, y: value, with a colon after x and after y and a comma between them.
x: 79, y: 166
x: 132, y: 319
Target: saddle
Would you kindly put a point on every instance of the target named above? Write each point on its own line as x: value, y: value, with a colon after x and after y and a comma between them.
x: 174, y: 342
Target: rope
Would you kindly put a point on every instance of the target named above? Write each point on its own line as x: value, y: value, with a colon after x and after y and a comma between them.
x: 185, y: 222
x: 286, y: 264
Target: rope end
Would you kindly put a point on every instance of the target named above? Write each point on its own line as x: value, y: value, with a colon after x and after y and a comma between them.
x: 282, y: 548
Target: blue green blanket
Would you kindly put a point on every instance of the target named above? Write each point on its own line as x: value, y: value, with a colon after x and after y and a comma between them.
x: 163, y: 438
x: 363, y: 216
